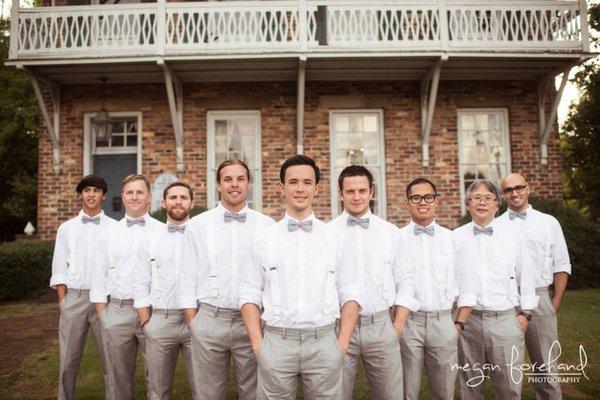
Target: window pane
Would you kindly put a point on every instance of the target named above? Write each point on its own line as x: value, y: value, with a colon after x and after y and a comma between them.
x: 116, y: 141
x: 132, y: 127
x: 118, y: 127
x: 132, y: 140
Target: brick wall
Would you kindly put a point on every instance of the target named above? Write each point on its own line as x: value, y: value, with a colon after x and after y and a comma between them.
x: 402, y: 121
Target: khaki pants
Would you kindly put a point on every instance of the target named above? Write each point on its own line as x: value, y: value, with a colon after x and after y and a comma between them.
x: 166, y: 335
x: 77, y: 316
x: 218, y: 334
x: 122, y: 337
x: 375, y: 341
x: 491, y: 338
x: 431, y: 341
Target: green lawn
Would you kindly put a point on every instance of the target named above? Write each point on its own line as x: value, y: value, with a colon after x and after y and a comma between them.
x: 36, y: 378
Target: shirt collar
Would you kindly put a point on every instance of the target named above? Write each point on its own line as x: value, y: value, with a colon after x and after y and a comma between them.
x: 366, y: 215
x: 311, y: 217
x: 221, y: 209
x: 82, y: 213
x: 491, y: 224
x: 144, y: 217
x: 413, y: 223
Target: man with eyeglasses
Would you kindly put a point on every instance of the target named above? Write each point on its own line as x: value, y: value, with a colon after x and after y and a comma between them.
x: 430, y: 337
x: 545, y: 239
x: 493, y: 262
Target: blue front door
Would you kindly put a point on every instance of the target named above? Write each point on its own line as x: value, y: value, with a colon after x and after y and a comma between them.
x: 114, y: 168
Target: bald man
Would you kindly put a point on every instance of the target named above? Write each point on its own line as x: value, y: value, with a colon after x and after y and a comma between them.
x: 546, y: 241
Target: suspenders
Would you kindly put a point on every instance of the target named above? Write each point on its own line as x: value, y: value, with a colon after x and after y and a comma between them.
x: 154, y: 286
x: 71, y: 264
x: 211, y: 248
x: 387, y: 251
x: 448, y: 246
x: 112, y: 265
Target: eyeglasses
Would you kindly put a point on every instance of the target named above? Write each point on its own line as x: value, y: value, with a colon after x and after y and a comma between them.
x: 417, y: 198
x: 485, y: 199
x: 519, y: 189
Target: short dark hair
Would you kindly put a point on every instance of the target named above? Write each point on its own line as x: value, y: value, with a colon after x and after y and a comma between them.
x: 299, y: 159
x: 229, y: 162
x: 92, y: 181
x: 354, y: 170
x: 178, y: 183
x: 419, y: 181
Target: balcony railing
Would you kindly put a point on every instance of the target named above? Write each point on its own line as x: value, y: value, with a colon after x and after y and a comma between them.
x: 302, y: 26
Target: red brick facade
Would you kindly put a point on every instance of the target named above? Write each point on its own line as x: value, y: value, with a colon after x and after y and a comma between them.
x: 399, y: 102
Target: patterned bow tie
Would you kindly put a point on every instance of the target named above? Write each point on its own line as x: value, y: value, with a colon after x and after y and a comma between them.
x: 85, y: 219
x: 429, y: 230
x: 131, y: 222
x: 363, y: 223
x: 306, y: 226
x: 176, y: 228
x: 478, y: 230
x: 239, y: 217
x: 517, y: 214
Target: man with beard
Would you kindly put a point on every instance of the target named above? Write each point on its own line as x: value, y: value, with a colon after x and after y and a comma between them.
x: 113, y: 284
x: 217, y: 250
x: 155, y: 295
x: 75, y: 250
x: 545, y: 239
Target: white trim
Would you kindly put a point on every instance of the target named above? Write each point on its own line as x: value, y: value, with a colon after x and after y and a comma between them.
x: 474, y: 111
x: 256, y: 171
x: 89, y: 149
x: 381, y: 186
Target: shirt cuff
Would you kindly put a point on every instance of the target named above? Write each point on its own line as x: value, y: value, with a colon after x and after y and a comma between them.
x: 187, y: 302
x: 529, y: 302
x: 466, y: 300
x: 58, y: 279
x: 408, y: 302
x: 346, y: 298
x: 251, y: 300
x: 98, y: 296
x: 142, y: 302
x: 563, y: 268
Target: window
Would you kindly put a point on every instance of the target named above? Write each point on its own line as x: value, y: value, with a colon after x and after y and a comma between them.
x: 236, y: 135
x: 356, y: 137
x: 484, y: 150
x: 123, y: 137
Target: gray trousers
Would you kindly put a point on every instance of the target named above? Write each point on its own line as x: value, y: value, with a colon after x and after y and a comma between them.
x: 166, y: 335
x: 489, y: 339
x: 375, y: 341
x: 431, y: 341
x: 312, y: 354
x: 122, y: 337
x: 77, y: 316
x: 540, y: 336
x: 218, y: 334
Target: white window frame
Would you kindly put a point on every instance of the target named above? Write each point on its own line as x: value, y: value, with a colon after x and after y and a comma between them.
x: 380, y: 187
x: 256, y: 172
x: 506, y: 144
x: 89, y: 141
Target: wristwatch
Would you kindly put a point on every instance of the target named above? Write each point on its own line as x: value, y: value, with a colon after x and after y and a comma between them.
x: 461, y: 324
x: 526, y: 315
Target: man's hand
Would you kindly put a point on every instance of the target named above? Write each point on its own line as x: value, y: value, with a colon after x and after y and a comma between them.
x: 556, y: 304
x: 99, y: 308
x: 251, y: 316
x: 61, y: 292
x: 256, y: 345
x: 189, y: 314
x: 400, y: 319
x: 143, y: 315
x: 523, y: 322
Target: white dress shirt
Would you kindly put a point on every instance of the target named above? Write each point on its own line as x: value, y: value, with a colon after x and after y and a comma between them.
x: 209, y: 239
x: 157, y: 268
x: 384, y: 281
x: 75, y: 250
x: 113, y: 271
x: 302, y: 279
x: 433, y: 258
x: 546, y: 241
x: 492, y: 268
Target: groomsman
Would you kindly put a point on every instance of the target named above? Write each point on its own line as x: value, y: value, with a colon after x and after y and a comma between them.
x: 301, y: 280
x: 218, y: 249
x: 75, y: 250
x: 430, y: 338
x: 112, y: 284
x: 374, y: 248
x: 493, y: 263
x: 155, y: 296
x: 545, y: 239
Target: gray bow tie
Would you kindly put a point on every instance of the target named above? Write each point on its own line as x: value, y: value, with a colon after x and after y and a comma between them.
x: 131, y: 222
x: 239, y: 217
x: 517, y: 214
x: 363, y: 223
x: 176, y: 228
x: 306, y: 226
x: 429, y: 230
x: 85, y: 219
x: 478, y: 230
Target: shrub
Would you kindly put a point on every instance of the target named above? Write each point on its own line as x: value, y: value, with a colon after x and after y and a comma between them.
x: 25, y: 268
x: 161, y: 214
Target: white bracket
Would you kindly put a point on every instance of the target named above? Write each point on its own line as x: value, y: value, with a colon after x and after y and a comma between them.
x: 547, y: 122
x: 52, y: 126
x: 429, y: 90
x: 175, y: 97
x: 300, y: 106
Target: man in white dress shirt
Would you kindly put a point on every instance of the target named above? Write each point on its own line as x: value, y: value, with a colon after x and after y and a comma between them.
x: 493, y: 262
x: 218, y: 249
x: 75, y: 250
x: 384, y: 285
x: 113, y: 284
x: 301, y: 280
x: 545, y: 239
x: 155, y: 295
x: 430, y: 339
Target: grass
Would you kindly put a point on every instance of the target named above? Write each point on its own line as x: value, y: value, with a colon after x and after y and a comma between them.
x: 36, y: 378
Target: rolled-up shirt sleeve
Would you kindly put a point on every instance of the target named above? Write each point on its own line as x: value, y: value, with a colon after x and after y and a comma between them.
x: 526, y: 274
x: 142, y: 277
x: 98, y: 288
x: 187, y: 281
x: 252, y: 279
x: 560, y: 254
x: 467, y: 292
x: 59, y: 258
x: 347, y: 280
x: 404, y: 275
